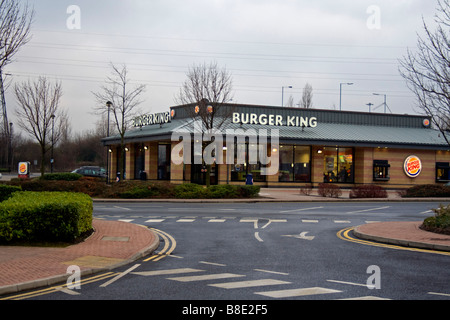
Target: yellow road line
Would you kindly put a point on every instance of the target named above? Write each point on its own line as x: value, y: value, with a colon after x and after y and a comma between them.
x: 344, y: 235
x: 169, y: 245
x: 40, y: 292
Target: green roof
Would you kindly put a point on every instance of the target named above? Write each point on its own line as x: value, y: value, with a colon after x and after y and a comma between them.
x: 333, y: 128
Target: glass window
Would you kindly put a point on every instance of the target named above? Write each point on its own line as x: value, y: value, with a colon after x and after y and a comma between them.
x: 164, y: 162
x: 286, y: 171
x: 239, y: 170
x: 338, y: 165
x: 442, y: 172
x: 381, y: 170
x: 295, y: 163
x: 139, y: 161
x: 302, y: 164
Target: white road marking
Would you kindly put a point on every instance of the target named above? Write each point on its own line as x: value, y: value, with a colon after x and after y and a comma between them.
x: 296, y: 292
x: 300, y: 236
x: 126, y: 220
x: 119, y: 276
x: 248, y: 284
x: 206, y: 277
x: 185, y: 220
x: 303, y: 209
x: 258, y: 237
x: 123, y: 208
x: 167, y: 271
x: 310, y: 221
x: 440, y: 294
x: 275, y: 272
x: 216, y: 220
x: 350, y: 283
x: 213, y: 263
x: 155, y: 220
x: 273, y: 220
x: 367, y: 210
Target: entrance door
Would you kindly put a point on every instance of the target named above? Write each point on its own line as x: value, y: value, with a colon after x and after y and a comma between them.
x: 198, y: 174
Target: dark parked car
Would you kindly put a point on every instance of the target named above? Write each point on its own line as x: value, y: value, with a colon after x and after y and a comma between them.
x: 91, y: 171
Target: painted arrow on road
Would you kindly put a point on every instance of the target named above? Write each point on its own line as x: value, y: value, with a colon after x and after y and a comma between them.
x: 300, y: 236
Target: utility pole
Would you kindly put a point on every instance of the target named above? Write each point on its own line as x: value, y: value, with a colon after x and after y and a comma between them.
x: 5, y: 132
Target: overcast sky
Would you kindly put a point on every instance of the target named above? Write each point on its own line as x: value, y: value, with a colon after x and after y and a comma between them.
x: 265, y: 44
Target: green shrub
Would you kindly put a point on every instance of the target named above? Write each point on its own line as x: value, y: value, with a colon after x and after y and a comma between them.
x: 6, y: 191
x: 191, y: 191
x: 45, y: 216
x: 368, y: 191
x: 248, y: 191
x: 329, y: 190
x: 66, y: 176
x: 90, y: 186
x: 440, y: 222
x: 139, y: 190
x: 428, y: 190
x: 223, y: 191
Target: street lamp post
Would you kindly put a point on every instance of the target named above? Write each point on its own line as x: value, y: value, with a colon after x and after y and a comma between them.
x: 340, y: 93
x: 384, y: 103
x: 108, y: 104
x: 282, y: 94
x: 52, y: 160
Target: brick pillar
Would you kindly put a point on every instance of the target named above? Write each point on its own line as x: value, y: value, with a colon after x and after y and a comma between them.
x: 316, y: 165
x: 176, y: 170
x: 129, y: 162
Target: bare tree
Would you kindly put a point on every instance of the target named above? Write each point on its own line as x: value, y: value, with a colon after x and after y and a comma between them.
x: 15, y: 24
x: 123, y: 98
x: 205, y: 93
x: 39, y: 113
x: 290, y: 102
x: 427, y: 71
x: 307, y: 96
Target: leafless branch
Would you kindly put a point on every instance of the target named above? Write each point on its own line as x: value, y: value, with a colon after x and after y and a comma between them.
x: 427, y: 70
x: 209, y: 88
x: 39, y: 112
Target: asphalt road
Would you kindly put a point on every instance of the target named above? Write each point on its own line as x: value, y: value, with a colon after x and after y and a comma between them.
x: 268, y: 251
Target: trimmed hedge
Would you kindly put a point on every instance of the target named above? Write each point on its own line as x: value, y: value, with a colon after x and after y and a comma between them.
x: 6, y: 191
x: 428, y: 190
x: 195, y: 191
x: 66, y: 176
x: 329, y: 190
x: 136, y: 189
x: 368, y: 191
x: 45, y: 216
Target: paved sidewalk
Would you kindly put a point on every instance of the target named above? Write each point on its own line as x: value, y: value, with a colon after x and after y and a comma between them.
x: 114, y: 243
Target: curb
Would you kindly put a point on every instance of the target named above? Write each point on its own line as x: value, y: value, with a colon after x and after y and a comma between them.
x: 400, y: 242
x: 262, y: 199
x: 63, y: 277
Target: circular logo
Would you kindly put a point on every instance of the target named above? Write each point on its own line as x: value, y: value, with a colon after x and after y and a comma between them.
x: 426, y: 122
x: 23, y: 168
x: 172, y: 113
x: 412, y: 166
x: 197, y: 109
x: 209, y: 109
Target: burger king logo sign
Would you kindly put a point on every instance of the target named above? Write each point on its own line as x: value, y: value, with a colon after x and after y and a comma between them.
x: 412, y: 166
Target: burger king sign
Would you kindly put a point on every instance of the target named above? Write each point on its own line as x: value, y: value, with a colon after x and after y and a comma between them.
x: 412, y: 166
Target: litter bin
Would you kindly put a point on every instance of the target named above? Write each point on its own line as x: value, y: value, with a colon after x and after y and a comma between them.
x: 249, y: 179
x: 143, y: 175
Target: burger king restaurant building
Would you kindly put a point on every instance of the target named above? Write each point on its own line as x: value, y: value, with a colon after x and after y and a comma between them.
x: 282, y: 147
